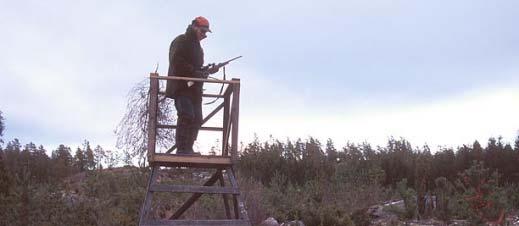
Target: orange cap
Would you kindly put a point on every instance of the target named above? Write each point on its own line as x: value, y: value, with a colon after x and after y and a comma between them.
x: 202, y: 22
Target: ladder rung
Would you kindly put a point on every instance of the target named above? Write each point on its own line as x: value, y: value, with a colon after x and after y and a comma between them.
x: 193, y: 189
x: 209, y: 161
x: 237, y: 222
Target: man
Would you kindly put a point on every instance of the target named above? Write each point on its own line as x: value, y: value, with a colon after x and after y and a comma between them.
x: 186, y: 59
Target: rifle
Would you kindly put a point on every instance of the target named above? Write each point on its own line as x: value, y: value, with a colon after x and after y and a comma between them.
x: 205, y: 69
x: 213, y: 66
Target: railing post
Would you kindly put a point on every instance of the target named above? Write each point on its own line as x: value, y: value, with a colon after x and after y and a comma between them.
x: 234, y: 117
x: 225, y: 134
x: 227, y: 120
x: 152, y: 115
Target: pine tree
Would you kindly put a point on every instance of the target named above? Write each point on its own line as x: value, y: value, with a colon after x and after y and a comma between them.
x: 367, y: 152
x: 491, y: 153
x: 63, y: 161
x: 112, y: 158
x: 89, y: 154
x: 331, y: 151
x: 313, y: 159
x: 477, y: 151
x: 408, y: 195
x: 331, y: 159
x: 80, y: 160
x: 5, y: 181
x: 444, y: 194
x: 12, y: 157
x: 397, y: 161
x: 423, y: 166
x: 482, y: 195
x: 27, y: 158
x: 41, y: 165
x: 2, y: 127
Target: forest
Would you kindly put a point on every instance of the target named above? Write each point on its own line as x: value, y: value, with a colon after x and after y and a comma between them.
x: 301, y: 179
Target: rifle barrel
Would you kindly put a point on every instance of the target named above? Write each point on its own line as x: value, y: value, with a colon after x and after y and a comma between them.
x: 232, y: 59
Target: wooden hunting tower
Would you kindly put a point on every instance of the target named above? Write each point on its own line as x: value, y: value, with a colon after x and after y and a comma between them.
x: 222, y: 164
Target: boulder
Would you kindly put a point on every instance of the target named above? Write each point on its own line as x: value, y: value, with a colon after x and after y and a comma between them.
x: 269, y: 222
x: 293, y: 223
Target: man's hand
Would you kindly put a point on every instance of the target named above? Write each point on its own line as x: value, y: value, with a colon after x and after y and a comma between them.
x: 213, y: 69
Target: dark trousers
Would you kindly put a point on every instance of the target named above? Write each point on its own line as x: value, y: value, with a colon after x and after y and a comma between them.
x: 189, y: 120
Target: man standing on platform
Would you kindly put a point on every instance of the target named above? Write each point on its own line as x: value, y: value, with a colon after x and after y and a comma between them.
x: 186, y: 58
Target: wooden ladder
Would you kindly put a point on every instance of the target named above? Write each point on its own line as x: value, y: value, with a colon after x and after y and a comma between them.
x: 222, y: 165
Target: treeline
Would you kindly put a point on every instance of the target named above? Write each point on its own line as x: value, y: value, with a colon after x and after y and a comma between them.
x: 473, y: 181
x: 63, y: 162
x: 302, y: 161
x: 71, y: 187
x: 67, y: 186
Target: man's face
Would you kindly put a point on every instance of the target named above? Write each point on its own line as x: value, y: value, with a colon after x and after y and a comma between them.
x: 200, y: 33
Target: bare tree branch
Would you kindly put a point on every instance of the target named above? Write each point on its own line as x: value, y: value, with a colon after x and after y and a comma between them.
x: 132, y: 130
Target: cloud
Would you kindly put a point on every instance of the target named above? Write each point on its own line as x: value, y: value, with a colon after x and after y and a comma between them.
x: 454, y: 121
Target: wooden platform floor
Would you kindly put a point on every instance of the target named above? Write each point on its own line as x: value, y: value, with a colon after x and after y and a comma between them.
x: 199, y: 161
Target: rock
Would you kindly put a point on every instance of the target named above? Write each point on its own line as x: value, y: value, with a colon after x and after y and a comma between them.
x: 429, y: 222
x: 381, y: 216
x: 513, y: 218
x: 269, y: 222
x: 293, y: 223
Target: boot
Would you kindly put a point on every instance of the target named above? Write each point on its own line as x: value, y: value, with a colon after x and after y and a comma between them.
x: 182, y: 144
x: 191, y: 140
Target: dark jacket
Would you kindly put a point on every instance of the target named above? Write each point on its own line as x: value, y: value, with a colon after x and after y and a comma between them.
x: 185, y: 57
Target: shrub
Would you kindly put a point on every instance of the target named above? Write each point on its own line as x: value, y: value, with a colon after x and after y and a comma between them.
x: 444, y: 199
x: 361, y: 218
x: 484, y: 199
x: 512, y: 193
x: 409, y: 197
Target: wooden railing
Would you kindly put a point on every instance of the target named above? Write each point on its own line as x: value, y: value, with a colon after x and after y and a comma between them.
x: 229, y: 106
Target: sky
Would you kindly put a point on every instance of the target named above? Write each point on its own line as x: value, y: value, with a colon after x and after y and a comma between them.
x: 441, y: 73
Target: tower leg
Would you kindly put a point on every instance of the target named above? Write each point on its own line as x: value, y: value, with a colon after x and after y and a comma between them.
x: 149, y: 195
x: 239, y: 206
x: 224, y: 196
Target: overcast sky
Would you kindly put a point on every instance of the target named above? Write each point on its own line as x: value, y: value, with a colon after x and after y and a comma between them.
x: 435, y: 72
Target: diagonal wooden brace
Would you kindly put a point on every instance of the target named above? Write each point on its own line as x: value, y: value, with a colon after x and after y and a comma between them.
x: 196, y: 196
